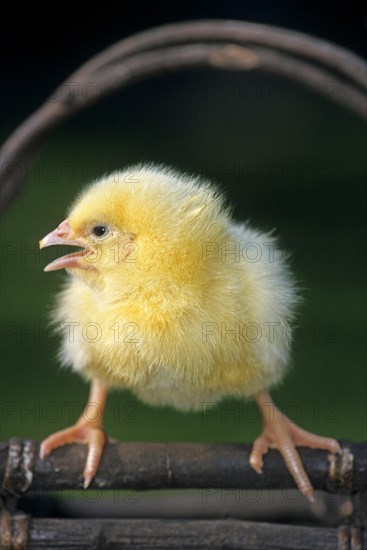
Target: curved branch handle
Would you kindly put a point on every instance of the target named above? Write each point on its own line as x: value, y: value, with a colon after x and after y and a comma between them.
x: 231, y: 45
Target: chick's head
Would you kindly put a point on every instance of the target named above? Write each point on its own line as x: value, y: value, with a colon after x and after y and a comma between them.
x: 140, y: 227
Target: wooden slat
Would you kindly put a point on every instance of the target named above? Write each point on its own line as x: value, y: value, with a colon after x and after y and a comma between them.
x: 72, y: 534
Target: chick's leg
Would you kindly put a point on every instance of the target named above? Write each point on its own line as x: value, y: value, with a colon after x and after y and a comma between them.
x: 283, y: 434
x: 88, y: 430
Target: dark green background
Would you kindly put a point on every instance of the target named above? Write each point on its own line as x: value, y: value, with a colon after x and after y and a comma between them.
x: 287, y: 159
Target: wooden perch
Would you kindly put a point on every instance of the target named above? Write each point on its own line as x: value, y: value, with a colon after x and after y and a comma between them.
x: 142, y: 466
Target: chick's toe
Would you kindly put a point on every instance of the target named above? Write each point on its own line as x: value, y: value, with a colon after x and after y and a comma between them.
x: 281, y: 433
x: 81, y: 432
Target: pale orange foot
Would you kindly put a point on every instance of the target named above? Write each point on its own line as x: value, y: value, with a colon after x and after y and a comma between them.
x: 82, y: 432
x: 279, y: 432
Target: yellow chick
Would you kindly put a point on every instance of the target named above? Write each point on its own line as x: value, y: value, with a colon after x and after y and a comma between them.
x: 171, y: 298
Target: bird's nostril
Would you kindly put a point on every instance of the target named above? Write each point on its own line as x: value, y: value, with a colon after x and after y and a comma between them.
x: 63, y: 229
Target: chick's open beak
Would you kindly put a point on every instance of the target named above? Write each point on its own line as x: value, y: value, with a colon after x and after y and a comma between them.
x: 63, y: 235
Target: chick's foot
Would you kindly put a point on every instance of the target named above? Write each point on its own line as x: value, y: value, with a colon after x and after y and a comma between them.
x: 281, y: 433
x: 82, y: 432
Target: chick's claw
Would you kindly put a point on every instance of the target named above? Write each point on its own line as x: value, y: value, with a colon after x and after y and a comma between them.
x: 307, y: 439
x: 279, y: 432
x: 82, y: 432
x: 278, y: 437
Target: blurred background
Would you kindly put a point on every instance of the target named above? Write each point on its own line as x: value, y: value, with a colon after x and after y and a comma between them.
x: 285, y: 157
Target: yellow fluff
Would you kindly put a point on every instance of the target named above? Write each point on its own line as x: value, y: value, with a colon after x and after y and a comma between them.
x: 183, y: 305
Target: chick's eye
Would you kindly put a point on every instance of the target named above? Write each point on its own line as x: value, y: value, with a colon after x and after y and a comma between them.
x: 100, y: 231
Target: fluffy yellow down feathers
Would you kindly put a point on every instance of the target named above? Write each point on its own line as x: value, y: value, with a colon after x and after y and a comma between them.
x: 174, y: 300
